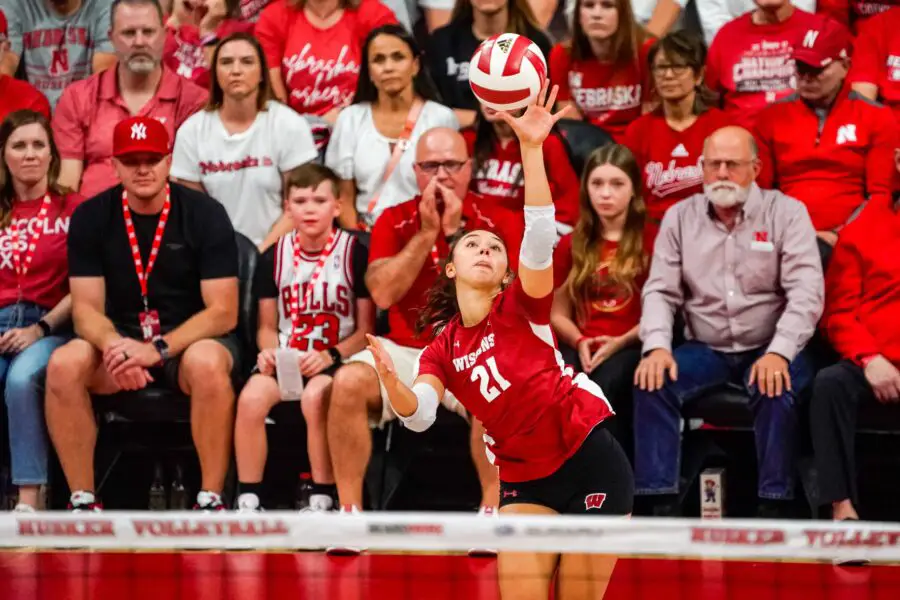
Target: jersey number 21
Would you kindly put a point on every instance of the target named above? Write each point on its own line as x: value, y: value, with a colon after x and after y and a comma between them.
x: 485, y: 380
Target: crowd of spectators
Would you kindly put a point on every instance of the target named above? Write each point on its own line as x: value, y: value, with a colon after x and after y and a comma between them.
x: 748, y: 199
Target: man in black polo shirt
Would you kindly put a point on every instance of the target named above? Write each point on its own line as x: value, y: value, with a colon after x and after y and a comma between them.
x: 153, y: 272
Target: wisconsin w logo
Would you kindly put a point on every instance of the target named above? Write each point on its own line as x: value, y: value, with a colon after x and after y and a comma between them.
x: 594, y: 501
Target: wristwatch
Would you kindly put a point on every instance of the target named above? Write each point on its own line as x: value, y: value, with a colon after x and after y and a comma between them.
x: 163, y: 348
x: 335, y: 355
x: 45, y: 327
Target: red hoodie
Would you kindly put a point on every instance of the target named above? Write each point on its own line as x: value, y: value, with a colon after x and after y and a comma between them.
x: 831, y: 166
x: 862, y: 285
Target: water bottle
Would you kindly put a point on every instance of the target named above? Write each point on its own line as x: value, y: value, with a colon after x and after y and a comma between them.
x: 177, y: 495
x: 157, y: 490
x: 304, y: 489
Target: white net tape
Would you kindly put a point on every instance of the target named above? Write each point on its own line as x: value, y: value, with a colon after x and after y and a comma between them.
x: 746, y: 539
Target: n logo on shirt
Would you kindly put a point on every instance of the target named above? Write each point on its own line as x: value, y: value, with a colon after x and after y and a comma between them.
x: 846, y: 133
x: 809, y: 40
x: 59, y: 61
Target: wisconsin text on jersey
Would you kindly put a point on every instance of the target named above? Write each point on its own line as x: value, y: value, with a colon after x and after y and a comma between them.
x: 467, y: 361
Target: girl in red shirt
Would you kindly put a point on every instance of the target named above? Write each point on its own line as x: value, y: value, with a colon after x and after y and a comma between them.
x: 34, y: 287
x: 497, y: 168
x: 600, y: 269
x: 314, y: 48
x: 668, y: 142
x: 602, y: 71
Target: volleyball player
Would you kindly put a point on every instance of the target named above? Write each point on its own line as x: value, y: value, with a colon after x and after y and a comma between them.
x: 313, y: 298
x: 495, y: 352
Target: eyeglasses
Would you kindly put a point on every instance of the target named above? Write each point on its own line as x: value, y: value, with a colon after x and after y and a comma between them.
x: 677, y: 70
x: 808, y: 71
x: 431, y: 167
x: 715, y: 165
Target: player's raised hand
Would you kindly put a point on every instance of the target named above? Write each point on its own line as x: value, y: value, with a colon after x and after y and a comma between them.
x: 383, y: 363
x: 533, y: 127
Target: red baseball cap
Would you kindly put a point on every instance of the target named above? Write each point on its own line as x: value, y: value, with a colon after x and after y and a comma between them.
x: 140, y: 134
x: 4, y: 26
x: 824, y: 44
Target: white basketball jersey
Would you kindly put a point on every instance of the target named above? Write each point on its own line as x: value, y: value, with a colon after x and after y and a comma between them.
x: 331, y: 314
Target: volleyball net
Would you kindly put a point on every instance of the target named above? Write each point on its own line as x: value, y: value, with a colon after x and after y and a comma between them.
x: 424, y: 555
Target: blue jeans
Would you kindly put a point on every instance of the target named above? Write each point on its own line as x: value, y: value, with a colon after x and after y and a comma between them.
x: 22, y: 377
x: 657, y: 419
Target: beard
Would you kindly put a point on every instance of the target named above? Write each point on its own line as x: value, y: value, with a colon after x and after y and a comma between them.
x: 726, y: 194
x: 141, y: 64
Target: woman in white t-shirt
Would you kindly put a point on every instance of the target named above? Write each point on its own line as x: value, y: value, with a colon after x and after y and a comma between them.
x: 240, y: 147
x: 395, y: 103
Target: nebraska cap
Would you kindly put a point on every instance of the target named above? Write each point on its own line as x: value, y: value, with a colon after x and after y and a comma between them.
x: 140, y: 134
x: 824, y: 44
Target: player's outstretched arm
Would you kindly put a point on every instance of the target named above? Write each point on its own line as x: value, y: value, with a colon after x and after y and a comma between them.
x: 416, y: 407
x: 536, y: 255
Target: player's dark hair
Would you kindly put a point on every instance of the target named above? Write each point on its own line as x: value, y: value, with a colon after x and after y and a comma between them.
x: 441, y: 304
x: 311, y: 175
x: 217, y: 94
x: 13, y: 121
x: 521, y: 18
x: 423, y: 85
x: 630, y: 259
x: 625, y: 44
x: 686, y: 48
x: 116, y: 3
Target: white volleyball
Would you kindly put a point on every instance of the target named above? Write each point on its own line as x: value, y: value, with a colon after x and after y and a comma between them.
x: 507, y: 71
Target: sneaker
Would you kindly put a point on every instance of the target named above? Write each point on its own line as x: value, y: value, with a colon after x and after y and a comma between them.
x: 82, y: 501
x: 248, y: 503
x: 490, y: 512
x: 209, y: 502
x: 23, y: 508
x: 346, y: 510
x: 319, y: 503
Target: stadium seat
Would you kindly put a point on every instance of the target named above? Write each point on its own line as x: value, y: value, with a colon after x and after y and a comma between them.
x: 581, y: 139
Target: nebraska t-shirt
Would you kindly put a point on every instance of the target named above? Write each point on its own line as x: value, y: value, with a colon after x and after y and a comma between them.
x: 669, y: 159
x: 608, y: 95
x: 750, y: 65
x: 47, y: 280
x: 319, y: 66
x: 499, y: 179
x: 16, y: 94
x: 185, y: 54
x: 876, y: 57
x: 610, y: 308
x: 56, y: 49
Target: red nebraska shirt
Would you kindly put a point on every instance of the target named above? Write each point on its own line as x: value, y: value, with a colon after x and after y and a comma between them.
x: 751, y: 65
x: 394, y: 228
x: 608, y: 96
x: 16, y: 94
x: 853, y: 13
x: 876, y: 57
x: 319, y: 66
x: 832, y: 169
x: 500, y: 181
x: 669, y: 159
x: 611, y: 308
x: 47, y: 279
x: 862, y: 285
x: 509, y: 375
x: 184, y: 54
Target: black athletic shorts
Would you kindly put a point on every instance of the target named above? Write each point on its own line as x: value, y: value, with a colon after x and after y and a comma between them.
x: 597, y: 479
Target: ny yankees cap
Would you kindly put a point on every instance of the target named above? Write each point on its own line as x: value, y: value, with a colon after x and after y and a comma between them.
x: 140, y: 134
x: 821, y: 45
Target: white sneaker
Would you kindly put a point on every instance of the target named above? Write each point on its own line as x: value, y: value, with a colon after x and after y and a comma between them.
x: 348, y: 511
x: 248, y: 503
x: 319, y: 503
x: 489, y: 512
x: 23, y: 508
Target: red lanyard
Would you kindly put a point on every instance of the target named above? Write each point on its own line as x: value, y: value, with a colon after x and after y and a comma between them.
x: 313, y: 278
x: 142, y: 274
x: 21, y: 264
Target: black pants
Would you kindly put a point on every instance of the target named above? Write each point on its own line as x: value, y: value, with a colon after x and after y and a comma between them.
x: 616, y: 378
x: 838, y: 392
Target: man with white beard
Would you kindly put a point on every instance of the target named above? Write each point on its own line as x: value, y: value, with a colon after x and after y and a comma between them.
x: 741, y: 265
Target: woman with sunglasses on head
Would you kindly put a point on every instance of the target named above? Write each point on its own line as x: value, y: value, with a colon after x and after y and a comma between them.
x: 495, y: 352
x: 372, y: 147
x: 35, y: 307
x: 603, y: 68
x: 668, y: 141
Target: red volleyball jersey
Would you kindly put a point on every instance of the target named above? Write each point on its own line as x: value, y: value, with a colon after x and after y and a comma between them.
x: 508, y: 373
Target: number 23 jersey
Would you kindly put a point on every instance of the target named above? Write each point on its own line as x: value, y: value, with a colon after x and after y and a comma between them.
x: 507, y: 372
x: 331, y: 315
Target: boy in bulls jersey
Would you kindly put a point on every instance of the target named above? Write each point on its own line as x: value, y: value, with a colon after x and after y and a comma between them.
x: 313, y: 298
x: 495, y: 352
